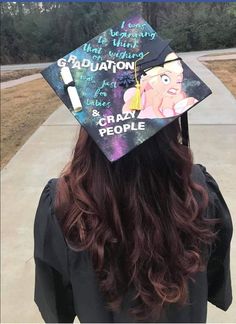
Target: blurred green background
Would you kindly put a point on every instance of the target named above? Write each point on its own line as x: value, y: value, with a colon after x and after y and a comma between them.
x: 43, y: 31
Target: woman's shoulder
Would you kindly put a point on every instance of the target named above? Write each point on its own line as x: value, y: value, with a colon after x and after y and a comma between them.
x: 45, y: 208
x: 217, y: 207
x: 49, y: 189
x: 45, y: 205
x: 201, y: 175
x: 49, y: 243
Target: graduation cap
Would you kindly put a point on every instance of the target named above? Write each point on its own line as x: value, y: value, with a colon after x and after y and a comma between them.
x: 124, y: 85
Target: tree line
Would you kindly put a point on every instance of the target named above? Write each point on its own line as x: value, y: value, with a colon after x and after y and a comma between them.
x: 44, y: 31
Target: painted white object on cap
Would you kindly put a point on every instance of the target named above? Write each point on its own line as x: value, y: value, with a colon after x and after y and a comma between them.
x: 72, y: 92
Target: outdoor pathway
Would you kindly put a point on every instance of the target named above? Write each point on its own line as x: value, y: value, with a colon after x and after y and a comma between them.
x: 28, y: 66
x: 13, y: 83
x: 42, y: 157
x: 218, y: 57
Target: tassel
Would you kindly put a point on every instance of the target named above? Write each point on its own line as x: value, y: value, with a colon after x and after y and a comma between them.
x: 136, y: 99
x: 135, y: 103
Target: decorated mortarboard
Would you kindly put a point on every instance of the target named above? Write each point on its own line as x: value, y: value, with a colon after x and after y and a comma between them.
x: 124, y: 85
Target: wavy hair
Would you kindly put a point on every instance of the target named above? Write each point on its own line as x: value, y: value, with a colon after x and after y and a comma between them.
x: 141, y: 218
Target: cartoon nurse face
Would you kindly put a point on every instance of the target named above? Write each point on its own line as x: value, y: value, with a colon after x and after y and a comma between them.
x: 167, y: 83
x: 161, y: 91
x: 162, y: 87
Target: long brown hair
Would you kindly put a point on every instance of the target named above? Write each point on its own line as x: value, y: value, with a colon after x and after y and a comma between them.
x: 140, y: 218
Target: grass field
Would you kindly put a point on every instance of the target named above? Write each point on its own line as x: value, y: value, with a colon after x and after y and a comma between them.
x: 23, y: 109
x: 13, y: 75
x: 225, y: 71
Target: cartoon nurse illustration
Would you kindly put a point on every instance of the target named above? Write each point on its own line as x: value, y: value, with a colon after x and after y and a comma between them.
x: 161, y: 91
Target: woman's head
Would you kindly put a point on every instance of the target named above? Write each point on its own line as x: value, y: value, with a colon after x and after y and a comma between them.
x: 140, y: 218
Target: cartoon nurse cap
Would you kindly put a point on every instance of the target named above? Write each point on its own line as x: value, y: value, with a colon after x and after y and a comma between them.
x: 124, y: 85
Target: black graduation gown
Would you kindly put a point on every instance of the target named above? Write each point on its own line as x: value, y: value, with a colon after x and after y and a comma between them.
x: 65, y: 283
